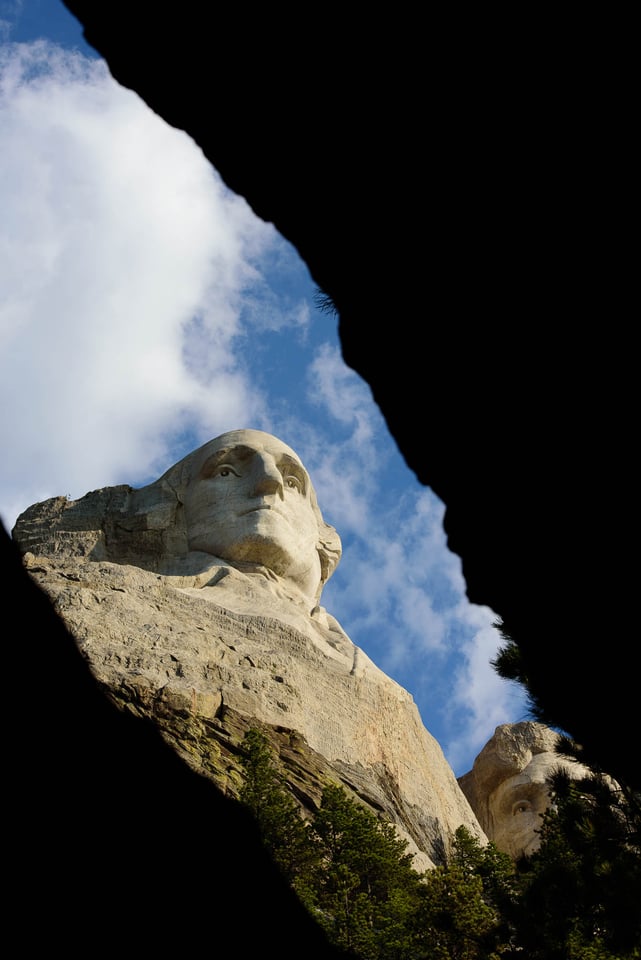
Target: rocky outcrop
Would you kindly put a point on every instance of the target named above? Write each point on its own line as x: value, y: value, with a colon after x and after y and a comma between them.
x: 208, y: 645
x: 113, y: 839
x: 206, y: 674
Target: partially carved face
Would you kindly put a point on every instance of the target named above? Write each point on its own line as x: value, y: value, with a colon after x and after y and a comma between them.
x: 250, y: 500
x: 517, y: 804
x: 509, y: 785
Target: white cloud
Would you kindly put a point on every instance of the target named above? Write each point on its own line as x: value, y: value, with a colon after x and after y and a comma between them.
x: 389, y: 595
x: 10, y: 10
x: 480, y: 699
x: 269, y: 314
x: 123, y: 262
x: 347, y: 398
x: 347, y: 468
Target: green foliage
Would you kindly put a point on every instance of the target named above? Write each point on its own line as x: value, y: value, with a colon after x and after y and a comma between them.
x: 577, y: 898
x: 465, y: 902
x: 581, y: 891
x: 508, y: 661
x: 274, y: 809
x: 496, y: 869
x: 348, y: 867
x: 455, y: 917
x: 365, y: 890
x: 497, y: 874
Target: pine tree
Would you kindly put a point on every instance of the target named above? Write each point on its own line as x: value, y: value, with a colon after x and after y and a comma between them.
x: 277, y: 814
x: 497, y: 874
x: 575, y: 899
x: 581, y: 891
x: 466, y: 904
x: 456, y: 920
x: 366, y: 893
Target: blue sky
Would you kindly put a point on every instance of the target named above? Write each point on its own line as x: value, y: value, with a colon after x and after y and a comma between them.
x: 144, y: 309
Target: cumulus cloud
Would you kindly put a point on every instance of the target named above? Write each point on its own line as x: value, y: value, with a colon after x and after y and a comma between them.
x: 480, y: 699
x: 348, y: 465
x: 123, y: 269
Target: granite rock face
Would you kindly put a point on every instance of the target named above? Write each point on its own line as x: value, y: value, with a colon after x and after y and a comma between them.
x: 189, y: 650
x: 114, y: 838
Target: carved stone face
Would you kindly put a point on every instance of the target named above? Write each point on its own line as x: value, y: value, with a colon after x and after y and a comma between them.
x: 516, y: 806
x: 249, y: 500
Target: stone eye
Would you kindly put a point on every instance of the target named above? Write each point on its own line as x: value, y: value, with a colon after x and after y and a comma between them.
x: 523, y: 806
x: 293, y: 482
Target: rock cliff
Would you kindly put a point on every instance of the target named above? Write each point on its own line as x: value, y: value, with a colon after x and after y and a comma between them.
x: 191, y: 652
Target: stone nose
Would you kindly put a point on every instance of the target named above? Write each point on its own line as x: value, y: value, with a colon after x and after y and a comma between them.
x: 266, y: 476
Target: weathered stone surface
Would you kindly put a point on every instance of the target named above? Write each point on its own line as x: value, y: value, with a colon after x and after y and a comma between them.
x: 507, y: 786
x: 206, y: 673
x: 196, y: 600
x: 114, y: 839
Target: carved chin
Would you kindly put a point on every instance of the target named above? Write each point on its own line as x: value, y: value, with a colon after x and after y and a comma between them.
x: 279, y: 556
x: 263, y: 550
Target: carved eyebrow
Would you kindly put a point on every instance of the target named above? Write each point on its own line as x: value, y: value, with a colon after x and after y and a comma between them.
x: 292, y: 466
x: 240, y: 453
x: 236, y: 453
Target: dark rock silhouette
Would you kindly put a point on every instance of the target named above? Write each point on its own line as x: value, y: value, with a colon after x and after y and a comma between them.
x: 461, y: 197
x: 113, y: 843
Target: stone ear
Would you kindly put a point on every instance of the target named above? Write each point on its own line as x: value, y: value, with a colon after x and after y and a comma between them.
x: 329, y: 548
